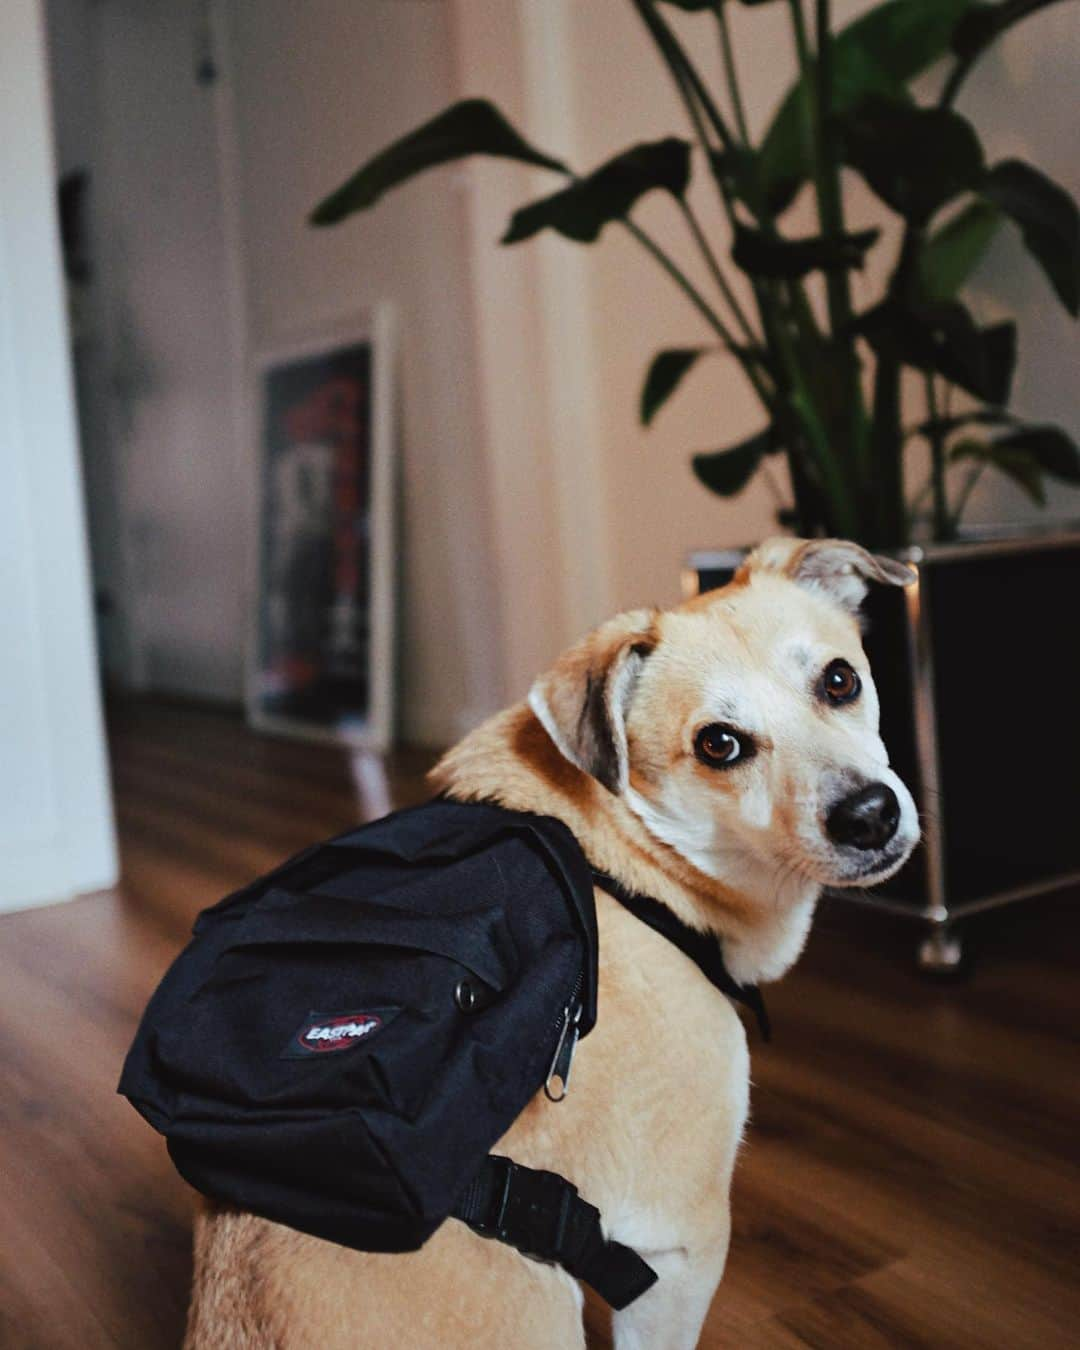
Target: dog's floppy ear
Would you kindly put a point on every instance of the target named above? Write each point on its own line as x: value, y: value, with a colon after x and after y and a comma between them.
x: 582, y: 701
x: 837, y: 568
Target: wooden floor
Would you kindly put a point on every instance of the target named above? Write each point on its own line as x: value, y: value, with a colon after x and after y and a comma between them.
x: 910, y: 1176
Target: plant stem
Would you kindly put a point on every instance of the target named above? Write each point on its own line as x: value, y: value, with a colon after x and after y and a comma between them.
x: 837, y: 281
x: 702, y: 306
x: 681, y: 280
x: 802, y: 50
x: 808, y: 509
x: 889, y: 519
x: 816, y: 77
x: 718, y: 276
x: 964, y: 494
x: 828, y: 466
x: 942, y: 525
x: 827, y: 176
x: 811, y: 93
x: 921, y: 496
x: 691, y: 85
x: 792, y: 406
x: 679, y: 67
x: 677, y: 63
x: 794, y: 411
x: 730, y: 71
x: 886, y: 436
x: 670, y: 44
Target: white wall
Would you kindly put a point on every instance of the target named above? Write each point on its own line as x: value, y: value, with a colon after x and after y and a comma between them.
x: 56, y: 834
x: 319, y: 87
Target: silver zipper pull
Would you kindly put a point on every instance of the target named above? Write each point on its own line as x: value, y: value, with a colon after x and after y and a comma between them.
x: 563, y: 1057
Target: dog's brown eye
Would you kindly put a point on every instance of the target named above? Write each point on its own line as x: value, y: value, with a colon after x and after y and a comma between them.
x: 718, y: 746
x: 840, y: 683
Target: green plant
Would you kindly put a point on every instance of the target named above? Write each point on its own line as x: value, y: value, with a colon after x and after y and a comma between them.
x: 851, y: 105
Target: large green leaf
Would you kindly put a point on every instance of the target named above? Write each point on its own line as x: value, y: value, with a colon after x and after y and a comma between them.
x: 472, y: 127
x: 985, y: 23
x: 583, y: 209
x: 764, y: 255
x: 1053, y: 450
x: 953, y: 252
x: 1048, y: 220
x: 727, y: 472
x: 943, y: 338
x: 998, y: 362
x: 736, y: 170
x: 915, y: 159
x: 696, y: 6
x: 1027, y: 455
x: 982, y: 417
x: 664, y: 376
x: 877, y: 53
x: 1015, y: 464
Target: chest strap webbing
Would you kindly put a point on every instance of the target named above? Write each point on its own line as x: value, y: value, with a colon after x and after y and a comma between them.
x: 703, y: 949
x: 542, y: 1215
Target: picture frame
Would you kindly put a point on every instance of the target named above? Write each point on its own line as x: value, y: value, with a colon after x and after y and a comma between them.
x: 321, y: 649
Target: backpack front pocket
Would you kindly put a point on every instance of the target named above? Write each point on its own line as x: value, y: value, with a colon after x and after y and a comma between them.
x: 316, y: 1001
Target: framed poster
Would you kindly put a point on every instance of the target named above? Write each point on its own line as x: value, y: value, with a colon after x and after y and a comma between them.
x: 322, y: 651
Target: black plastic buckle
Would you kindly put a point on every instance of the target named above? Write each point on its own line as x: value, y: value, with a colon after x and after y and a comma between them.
x: 531, y: 1210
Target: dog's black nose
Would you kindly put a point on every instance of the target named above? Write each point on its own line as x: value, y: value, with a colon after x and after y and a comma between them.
x: 866, y: 819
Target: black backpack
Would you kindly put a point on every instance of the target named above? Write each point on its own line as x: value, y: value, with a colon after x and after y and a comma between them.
x: 344, y: 1040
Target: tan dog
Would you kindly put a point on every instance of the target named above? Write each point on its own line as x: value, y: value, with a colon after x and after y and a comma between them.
x: 724, y: 758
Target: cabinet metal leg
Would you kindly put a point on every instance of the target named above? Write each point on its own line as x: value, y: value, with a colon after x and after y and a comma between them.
x: 941, y: 953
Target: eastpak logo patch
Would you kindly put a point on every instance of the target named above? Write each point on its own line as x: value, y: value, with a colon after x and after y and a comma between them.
x: 329, y: 1033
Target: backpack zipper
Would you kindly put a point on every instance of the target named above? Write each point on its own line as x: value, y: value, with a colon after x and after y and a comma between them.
x: 568, y: 1026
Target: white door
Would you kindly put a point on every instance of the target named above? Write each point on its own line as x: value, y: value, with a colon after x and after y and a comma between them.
x: 56, y: 832
x: 159, y: 220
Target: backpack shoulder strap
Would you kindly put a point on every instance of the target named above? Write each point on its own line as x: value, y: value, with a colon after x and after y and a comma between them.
x: 543, y: 1216
x: 705, y: 950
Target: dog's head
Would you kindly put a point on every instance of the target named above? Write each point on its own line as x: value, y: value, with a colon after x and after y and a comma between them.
x: 742, y: 727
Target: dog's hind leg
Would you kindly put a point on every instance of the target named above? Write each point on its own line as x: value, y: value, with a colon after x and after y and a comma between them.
x: 670, y: 1316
